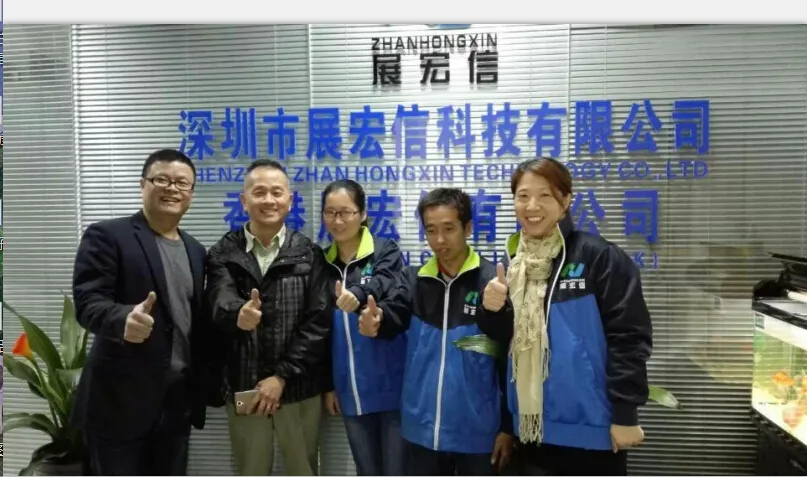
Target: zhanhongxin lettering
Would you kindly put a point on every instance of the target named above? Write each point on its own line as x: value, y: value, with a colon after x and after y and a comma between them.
x: 424, y: 43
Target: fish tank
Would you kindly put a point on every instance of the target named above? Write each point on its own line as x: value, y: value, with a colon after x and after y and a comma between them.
x: 779, y: 386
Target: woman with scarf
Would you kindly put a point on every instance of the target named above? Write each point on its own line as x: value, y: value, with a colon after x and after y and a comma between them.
x: 570, y: 303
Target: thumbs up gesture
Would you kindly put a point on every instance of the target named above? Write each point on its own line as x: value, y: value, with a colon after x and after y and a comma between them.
x: 370, y: 319
x: 495, y: 294
x: 250, y: 314
x: 139, y: 322
x: 345, y: 300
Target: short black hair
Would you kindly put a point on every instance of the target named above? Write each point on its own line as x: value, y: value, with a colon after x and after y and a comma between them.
x: 271, y: 164
x: 354, y: 190
x: 167, y: 155
x: 449, y: 197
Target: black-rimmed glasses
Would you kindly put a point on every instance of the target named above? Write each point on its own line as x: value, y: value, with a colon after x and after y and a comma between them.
x: 164, y: 183
x: 343, y: 214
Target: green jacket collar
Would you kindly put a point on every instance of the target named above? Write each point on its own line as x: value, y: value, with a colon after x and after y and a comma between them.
x: 430, y: 269
x: 366, y: 247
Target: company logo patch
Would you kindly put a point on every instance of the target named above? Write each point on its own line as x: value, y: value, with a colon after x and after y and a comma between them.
x: 366, y: 273
x: 471, y: 300
x: 573, y: 270
x: 572, y: 277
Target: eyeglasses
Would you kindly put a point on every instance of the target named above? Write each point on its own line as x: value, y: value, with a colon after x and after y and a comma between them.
x: 343, y: 214
x: 164, y: 183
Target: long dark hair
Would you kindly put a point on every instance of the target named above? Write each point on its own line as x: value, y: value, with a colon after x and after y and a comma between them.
x: 354, y: 190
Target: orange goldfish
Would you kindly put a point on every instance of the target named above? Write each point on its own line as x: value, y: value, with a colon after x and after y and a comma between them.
x: 782, y: 379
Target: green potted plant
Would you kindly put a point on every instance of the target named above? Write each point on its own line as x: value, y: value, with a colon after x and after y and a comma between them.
x: 52, y: 374
x: 483, y: 344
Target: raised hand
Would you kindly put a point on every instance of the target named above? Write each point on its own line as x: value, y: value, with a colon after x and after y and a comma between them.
x: 370, y: 319
x: 250, y: 314
x: 345, y: 300
x: 139, y: 321
x: 495, y: 294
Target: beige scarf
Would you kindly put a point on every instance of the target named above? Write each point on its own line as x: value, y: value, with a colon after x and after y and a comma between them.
x: 527, y: 279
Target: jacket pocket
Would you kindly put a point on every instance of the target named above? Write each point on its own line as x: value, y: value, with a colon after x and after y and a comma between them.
x: 387, y: 366
x: 574, y: 391
x: 421, y: 373
x: 481, y: 394
x: 470, y: 401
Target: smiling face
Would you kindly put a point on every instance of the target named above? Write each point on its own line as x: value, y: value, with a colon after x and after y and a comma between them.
x: 342, y: 216
x: 538, y: 206
x: 266, y: 197
x: 167, y: 189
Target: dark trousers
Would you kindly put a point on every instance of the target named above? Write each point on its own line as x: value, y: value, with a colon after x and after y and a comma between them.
x: 547, y: 459
x: 423, y: 461
x: 162, y: 451
x: 376, y: 443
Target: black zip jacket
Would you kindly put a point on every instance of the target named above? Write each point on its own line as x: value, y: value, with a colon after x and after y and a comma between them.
x: 291, y: 340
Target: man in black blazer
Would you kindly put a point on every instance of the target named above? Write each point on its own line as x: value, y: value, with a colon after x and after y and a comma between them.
x: 138, y: 286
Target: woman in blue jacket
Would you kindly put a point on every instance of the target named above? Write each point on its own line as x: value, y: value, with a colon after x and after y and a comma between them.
x: 367, y: 373
x: 580, y: 335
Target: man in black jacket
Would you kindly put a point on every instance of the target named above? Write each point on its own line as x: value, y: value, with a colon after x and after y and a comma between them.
x: 270, y: 301
x: 138, y: 286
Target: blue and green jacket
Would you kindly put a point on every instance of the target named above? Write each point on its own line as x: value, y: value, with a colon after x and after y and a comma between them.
x: 452, y: 399
x: 367, y: 373
x: 600, y: 340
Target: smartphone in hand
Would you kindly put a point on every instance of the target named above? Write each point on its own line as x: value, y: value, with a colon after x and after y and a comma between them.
x: 243, y: 399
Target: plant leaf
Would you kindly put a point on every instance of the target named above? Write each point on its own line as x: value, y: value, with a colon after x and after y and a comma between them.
x: 485, y: 345
x: 481, y: 344
x: 39, y: 341
x: 55, y: 451
x: 39, y: 422
x: 59, y: 402
x: 56, y: 395
x: 81, y: 358
x: 21, y: 369
x: 663, y: 397
x: 37, y: 391
x: 70, y: 334
x: 69, y: 378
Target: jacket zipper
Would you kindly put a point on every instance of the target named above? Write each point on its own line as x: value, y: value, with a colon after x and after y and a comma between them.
x: 350, y: 359
x: 557, y: 275
x: 441, y: 374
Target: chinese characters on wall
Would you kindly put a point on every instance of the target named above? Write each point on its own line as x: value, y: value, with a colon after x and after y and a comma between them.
x: 436, y: 53
x: 384, y: 210
x: 238, y: 132
x: 235, y: 136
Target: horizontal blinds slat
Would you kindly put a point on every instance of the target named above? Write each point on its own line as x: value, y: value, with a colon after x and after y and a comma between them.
x: 40, y: 213
x: 134, y: 81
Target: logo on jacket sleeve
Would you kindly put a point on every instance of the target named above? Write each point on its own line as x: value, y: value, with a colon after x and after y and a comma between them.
x: 572, y: 277
x: 471, y: 301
